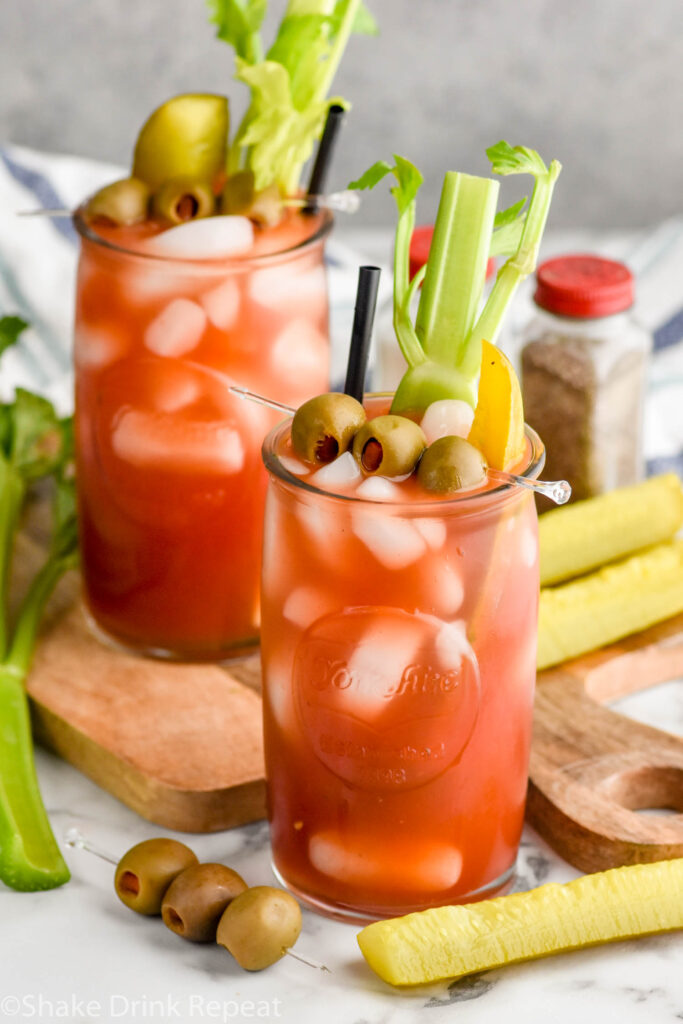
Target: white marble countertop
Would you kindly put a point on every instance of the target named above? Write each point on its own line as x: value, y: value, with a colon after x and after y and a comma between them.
x: 77, y: 954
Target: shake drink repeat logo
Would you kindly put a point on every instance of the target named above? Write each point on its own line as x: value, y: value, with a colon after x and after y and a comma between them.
x: 387, y: 699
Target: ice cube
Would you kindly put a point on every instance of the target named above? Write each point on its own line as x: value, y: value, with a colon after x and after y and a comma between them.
x: 343, y: 472
x: 208, y: 238
x: 222, y: 304
x: 362, y: 861
x: 433, y: 531
x: 378, y: 661
x: 161, y: 441
x: 316, y: 523
x: 293, y: 466
x: 300, y: 355
x: 175, y: 388
x: 528, y: 547
x: 447, y: 417
x: 97, y: 347
x: 142, y: 284
x: 281, y: 288
x: 378, y: 488
x: 277, y: 677
x: 444, y: 588
x: 395, y: 543
x: 177, y: 329
x: 452, y: 645
x: 306, y: 604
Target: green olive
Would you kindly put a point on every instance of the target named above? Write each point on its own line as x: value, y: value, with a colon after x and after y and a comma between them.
x: 324, y: 427
x: 239, y: 197
x: 145, y: 872
x: 185, y: 137
x: 197, y: 897
x: 259, y: 926
x: 389, y: 446
x: 123, y: 202
x: 266, y: 209
x: 450, y: 464
x: 182, y: 199
x: 238, y: 194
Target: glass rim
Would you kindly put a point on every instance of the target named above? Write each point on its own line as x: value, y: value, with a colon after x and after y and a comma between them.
x: 464, y: 500
x: 86, y: 232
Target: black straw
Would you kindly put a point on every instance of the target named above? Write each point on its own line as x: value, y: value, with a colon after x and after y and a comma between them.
x: 335, y: 116
x: 364, y: 315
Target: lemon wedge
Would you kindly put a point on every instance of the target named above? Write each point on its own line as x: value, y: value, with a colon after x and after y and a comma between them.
x: 498, y: 425
x: 449, y: 942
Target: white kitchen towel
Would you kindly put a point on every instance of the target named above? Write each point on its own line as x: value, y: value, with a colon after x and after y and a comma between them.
x: 38, y: 261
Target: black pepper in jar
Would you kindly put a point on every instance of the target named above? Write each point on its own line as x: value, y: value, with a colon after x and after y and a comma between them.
x: 584, y: 368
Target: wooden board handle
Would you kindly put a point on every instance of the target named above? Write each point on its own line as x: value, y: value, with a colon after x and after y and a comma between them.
x: 593, y: 769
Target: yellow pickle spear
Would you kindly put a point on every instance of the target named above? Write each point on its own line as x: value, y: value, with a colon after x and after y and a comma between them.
x: 450, y: 942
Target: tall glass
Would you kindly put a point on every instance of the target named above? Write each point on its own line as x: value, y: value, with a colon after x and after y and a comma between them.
x: 170, y: 481
x: 399, y: 660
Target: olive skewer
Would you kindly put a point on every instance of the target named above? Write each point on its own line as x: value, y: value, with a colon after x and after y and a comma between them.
x: 231, y: 914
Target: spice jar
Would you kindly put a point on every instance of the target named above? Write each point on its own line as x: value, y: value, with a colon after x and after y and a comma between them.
x: 584, y: 370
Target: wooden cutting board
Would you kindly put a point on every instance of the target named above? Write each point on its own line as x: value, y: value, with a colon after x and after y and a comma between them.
x: 593, y: 770
x: 182, y: 746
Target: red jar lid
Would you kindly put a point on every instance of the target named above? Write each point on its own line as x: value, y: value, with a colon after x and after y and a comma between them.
x: 584, y: 286
x: 420, y: 244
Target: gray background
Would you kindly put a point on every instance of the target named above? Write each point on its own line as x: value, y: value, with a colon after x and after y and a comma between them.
x: 596, y: 83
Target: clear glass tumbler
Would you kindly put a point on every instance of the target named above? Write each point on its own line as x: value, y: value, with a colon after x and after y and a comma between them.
x: 170, y: 481
x: 399, y: 661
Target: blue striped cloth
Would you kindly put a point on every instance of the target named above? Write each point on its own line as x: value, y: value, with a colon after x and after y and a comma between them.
x: 38, y: 261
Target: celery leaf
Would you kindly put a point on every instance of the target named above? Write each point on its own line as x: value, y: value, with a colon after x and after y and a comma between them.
x: 408, y: 178
x: 280, y: 137
x: 237, y: 23
x: 10, y: 329
x: 37, y: 443
x: 507, y: 159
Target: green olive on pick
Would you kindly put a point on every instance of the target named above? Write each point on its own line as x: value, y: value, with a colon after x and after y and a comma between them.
x: 451, y: 464
x: 182, y: 199
x: 259, y: 926
x: 324, y: 427
x: 196, y: 898
x: 238, y: 194
x: 123, y: 202
x: 145, y: 872
x: 389, y: 446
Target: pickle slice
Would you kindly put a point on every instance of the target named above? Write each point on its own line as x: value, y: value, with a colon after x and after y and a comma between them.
x: 185, y: 137
x: 450, y: 942
x: 622, y: 598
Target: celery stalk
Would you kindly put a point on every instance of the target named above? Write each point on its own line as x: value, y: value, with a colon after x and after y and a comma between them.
x: 456, y: 269
x: 33, y: 444
x: 519, y: 266
x: 443, y: 350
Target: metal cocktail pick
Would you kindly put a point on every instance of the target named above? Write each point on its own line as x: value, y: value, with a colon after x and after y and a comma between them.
x: 558, y: 491
x: 346, y: 201
x: 74, y: 838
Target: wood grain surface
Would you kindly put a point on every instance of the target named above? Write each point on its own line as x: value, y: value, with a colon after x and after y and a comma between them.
x: 593, y: 770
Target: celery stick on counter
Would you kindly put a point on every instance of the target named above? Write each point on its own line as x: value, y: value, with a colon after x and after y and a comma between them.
x: 33, y: 444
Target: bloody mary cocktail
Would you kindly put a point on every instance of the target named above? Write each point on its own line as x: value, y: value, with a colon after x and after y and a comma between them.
x: 201, y: 269
x: 399, y: 652
x: 170, y: 480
